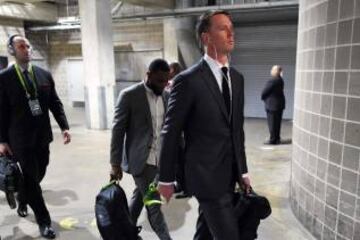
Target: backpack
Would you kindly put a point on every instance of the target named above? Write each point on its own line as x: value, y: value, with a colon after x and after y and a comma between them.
x: 112, y: 214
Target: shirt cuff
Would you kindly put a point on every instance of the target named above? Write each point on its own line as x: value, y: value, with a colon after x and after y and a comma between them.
x: 245, y: 175
x: 167, y: 183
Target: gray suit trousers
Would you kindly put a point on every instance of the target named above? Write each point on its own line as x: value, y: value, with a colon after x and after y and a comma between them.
x: 155, y: 216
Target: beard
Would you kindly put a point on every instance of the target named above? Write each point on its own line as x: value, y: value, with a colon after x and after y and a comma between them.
x: 156, y: 90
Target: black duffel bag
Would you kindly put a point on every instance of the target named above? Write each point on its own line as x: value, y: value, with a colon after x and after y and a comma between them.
x: 10, y: 179
x: 112, y: 214
x: 250, y: 208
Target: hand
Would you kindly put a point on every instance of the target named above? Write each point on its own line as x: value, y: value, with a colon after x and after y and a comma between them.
x: 166, y: 191
x: 5, y: 149
x: 66, y: 136
x: 245, y: 184
x: 116, y: 172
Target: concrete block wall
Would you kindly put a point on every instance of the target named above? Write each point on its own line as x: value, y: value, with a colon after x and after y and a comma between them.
x: 57, y: 47
x: 62, y: 46
x: 142, y: 35
x: 59, y: 54
x: 9, y: 27
x: 44, y: 53
x: 40, y: 48
x: 136, y: 44
x: 68, y: 8
x: 325, y: 181
x: 52, y: 49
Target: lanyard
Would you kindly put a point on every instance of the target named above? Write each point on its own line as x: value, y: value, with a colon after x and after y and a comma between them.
x: 22, y: 81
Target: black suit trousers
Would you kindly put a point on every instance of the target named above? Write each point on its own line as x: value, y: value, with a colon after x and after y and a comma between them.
x: 33, y: 162
x: 220, y: 217
x: 247, y: 224
x: 218, y: 214
x: 274, y: 122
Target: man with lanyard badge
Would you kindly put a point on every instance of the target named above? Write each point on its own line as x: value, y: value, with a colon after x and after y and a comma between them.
x: 27, y: 94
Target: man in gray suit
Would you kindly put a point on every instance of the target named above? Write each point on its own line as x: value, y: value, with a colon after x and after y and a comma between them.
x: 139, y: 116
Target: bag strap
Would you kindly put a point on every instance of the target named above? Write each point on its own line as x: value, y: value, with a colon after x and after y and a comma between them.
x: 112, y: 182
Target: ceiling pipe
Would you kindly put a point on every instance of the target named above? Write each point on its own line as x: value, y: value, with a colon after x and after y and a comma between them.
x: 116, y: 8
x: 185, y: 12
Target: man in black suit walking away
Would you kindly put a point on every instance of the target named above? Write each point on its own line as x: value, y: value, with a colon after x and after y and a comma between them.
x: 274, y: 98
x: 206, y: 105
x: 27, y: 93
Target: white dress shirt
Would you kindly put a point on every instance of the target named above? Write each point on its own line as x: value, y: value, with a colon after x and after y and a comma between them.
x: 157, y: 110
x: 215, y: 67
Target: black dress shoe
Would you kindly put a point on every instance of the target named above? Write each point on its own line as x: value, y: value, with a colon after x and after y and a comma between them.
x: 22, y: 210
x: 47, y: 232
x: 268, y: 142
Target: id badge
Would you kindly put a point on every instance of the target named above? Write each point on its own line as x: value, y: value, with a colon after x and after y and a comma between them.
x: 35, y: 107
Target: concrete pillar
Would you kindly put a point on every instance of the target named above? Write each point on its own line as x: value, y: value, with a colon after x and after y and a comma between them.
x: 170, y: 42
x: 325, y: 179
x: 98, y: 55
x: 186, y: 36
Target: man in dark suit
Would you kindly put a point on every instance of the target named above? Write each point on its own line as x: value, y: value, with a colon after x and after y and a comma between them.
x: 27, y: 93
x: 274, y: 98
x: 139, y: 116
x: 206, y: 104
x: 180, y: 189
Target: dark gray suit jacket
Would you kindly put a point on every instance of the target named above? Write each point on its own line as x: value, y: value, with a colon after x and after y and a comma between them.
x: 132, y: 132
x: 196, y: 107
x: 273, y: 94
x: 17, y: 125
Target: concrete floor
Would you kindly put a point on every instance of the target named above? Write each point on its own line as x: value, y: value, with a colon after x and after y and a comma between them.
x: 77, y: 172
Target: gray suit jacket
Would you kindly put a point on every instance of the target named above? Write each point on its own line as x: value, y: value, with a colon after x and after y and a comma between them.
x: 132, y: 132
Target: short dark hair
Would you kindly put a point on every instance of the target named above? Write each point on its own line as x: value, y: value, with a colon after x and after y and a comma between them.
x: 159, y: 65
x: 11, y: 39
x: 204, y: 21
x: 177, y: 67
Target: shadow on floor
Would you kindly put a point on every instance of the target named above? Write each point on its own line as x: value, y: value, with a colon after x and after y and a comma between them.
x: 59, y: 198
x: 18, y: 234
x: 76, y: 233
x: 176, y: 207
x: 286, y: 141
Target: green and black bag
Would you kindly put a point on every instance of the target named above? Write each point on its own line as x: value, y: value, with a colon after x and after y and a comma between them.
x: 112, y: 214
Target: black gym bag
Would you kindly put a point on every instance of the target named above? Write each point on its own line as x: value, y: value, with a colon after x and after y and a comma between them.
x: 112, y: 214
x: 250, y: 209
x: 10, y: 179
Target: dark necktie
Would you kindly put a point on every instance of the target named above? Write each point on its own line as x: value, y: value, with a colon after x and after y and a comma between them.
x: 29, y: 83
x: 225, y: 89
